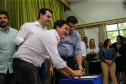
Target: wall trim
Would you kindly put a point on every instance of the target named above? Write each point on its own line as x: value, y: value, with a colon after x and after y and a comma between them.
x: 102, y: 22
x: 65, y: 3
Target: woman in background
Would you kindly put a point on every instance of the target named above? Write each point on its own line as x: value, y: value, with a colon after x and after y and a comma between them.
x: 120, y: 60
x: 108, y: 56
x: 94, y: 65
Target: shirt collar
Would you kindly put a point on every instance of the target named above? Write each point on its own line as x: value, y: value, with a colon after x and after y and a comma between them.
x: 37, y: 23
x: 57, y: 35
x: 71, y: 33
x: 1, y: 29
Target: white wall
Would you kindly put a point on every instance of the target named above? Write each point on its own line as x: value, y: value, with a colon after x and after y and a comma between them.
x: 97, y: 10
x: 92, y: 33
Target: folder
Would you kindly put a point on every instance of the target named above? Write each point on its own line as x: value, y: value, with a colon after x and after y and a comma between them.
x: 90, y: 57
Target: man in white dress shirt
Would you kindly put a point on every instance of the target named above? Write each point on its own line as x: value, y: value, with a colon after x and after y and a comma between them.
x: 36, y: 49
x: 83, y: 48
x: 27, y: 30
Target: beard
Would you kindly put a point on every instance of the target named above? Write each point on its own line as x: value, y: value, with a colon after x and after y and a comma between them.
x: 3, y: 26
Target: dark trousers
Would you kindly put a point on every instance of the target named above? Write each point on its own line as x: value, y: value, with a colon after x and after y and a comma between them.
x: 7, y: 78
x: 25, y: 73
x: 43, y: 73
x: 71, y: 62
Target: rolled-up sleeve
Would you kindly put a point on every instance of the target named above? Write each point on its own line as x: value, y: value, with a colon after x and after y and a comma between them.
x: 77, y: 49
x: 21, y: 35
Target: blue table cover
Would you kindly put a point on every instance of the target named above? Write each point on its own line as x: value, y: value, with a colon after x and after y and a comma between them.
x: 82, y: 81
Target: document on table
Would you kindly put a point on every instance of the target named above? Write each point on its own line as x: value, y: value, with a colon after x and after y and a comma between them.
x: 85, y: 77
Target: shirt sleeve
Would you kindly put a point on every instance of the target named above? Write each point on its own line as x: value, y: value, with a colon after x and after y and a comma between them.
x: 114, y: 54
x: 101, y: 55
x: 51, y: 44
x: 77, y: 48
x: 22, y: 34
x: 97, y: 51
x: 16, y: 48
x: 87, y: 51
x: 83, y: 48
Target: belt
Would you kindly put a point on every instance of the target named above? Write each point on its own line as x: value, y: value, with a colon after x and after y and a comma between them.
x: 67, y: 57
x: 19, y: 60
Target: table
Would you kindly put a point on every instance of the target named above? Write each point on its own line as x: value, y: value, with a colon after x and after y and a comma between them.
x: 82, y: 81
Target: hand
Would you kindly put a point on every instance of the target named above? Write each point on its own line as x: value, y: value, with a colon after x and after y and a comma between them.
x: 116, y: 55
x: 96, y: 57
x: 80, y: 68
x: 67, y: 75
x: 77, y: 73
x: 51, y: 71
x: 110, y: 61
x: 83, y: 72
x: 106, y: 61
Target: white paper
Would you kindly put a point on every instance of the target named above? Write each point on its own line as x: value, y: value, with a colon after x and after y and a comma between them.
x: 84, y: 77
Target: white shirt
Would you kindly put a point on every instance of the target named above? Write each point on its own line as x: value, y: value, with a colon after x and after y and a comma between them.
x: 91, y: 51
x: 27, y: 30
x: 40, y: 47
x: 83, y: 48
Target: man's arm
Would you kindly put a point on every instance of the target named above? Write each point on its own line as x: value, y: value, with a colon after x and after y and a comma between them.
x: 67, y: 75
x: 22, y: 34
x: 50, y: 68
x: 76, y: 73
x: 22, y: 43
x: 78, y: 51
x: 79, y: 61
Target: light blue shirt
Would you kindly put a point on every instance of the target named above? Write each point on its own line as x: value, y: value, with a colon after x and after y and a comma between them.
x: 7, y: 49
x: 71, y: 45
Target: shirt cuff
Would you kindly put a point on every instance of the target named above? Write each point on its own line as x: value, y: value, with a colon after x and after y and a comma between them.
x: 78, y: 53
x: 84, y: 55
x: 61, y: 65
x: 18, y: 41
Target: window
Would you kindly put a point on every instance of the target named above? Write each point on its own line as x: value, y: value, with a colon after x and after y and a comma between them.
x: 114, y: 30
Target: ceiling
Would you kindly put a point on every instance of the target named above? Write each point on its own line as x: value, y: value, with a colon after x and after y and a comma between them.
x: 74, y: 1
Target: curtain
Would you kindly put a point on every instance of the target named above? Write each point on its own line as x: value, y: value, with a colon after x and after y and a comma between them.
x: 81, y: 32
x: 21, y: 11
x: 102, y: 33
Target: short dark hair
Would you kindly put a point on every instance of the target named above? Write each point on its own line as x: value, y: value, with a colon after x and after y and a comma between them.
x: 85, y: 37
x: 60, y: 23
x: 106, y: 42
x: 121, y: 38
x: 5, y: 13
x: 43, y: 11
x: 72, y: 19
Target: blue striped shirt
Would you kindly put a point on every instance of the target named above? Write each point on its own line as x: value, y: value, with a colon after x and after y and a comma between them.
x: 71, y: 45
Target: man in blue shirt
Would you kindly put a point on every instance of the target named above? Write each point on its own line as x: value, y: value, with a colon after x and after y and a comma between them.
x: 7, y: 49
x: 70, y: 48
